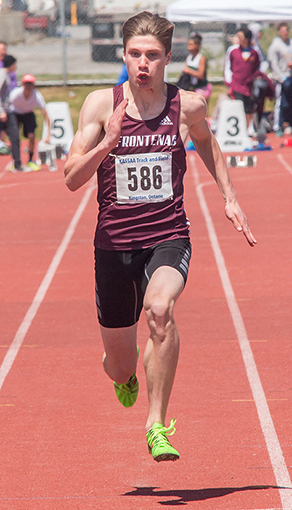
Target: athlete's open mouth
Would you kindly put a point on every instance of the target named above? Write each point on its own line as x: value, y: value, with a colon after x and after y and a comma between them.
x: 143, y: 76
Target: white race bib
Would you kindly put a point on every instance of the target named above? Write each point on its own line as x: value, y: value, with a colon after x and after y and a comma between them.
x: 144, y: 177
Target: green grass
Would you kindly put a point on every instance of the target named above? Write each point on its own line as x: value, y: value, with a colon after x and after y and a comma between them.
x: 52, y: 94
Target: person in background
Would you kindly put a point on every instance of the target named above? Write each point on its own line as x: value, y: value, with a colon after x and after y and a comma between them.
x: 123, y: 76
x: 280, y: 60
x: 241, y: 63
x: 257, y: 33
x: 263, y: 86
x: 8, y: 122
x: 196, y: 67
x: 12, y: 75
x: 286, y: 105
x: 13, y: 83
x: 3, y: 52
x: 23, y: 100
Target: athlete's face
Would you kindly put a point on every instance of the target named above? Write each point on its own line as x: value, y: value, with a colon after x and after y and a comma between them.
x: 243, y: 41
x: 12, y: 68
x: 284, y: 33
x: 146, y: 59
x: 193, y: 47
x: 28, y: 88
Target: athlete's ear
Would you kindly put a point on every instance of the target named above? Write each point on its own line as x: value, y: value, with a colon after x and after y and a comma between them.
x: 168, y: 57
x: 124, y: 56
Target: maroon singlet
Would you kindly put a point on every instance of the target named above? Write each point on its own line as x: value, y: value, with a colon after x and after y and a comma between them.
x: 140, y: 183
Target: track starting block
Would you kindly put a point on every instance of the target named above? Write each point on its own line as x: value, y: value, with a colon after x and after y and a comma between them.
x: 47, y: 156
x: 236, y: 161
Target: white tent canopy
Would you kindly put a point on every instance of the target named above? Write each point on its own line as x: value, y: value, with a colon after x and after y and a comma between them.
x: 229, y: 11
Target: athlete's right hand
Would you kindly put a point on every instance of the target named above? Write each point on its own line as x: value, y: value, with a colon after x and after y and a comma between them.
x: 114, y: 126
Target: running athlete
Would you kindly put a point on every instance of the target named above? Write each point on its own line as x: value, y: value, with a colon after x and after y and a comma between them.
x: 133, y: 137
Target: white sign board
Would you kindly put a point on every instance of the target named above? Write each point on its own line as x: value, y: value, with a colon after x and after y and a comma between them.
x: 231, y: 131
x: 61, y: 125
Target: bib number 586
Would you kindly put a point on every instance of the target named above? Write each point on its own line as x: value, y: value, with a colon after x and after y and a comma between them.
x: 144, y: 178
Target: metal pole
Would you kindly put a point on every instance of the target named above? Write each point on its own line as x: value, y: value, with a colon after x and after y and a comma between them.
x: 64, y: 41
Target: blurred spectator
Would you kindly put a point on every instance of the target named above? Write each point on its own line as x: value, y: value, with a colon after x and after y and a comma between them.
x: 23, y: 100
x: 257, y: 33
x: 8, y: 120
x: 286, y: 106
x: 241, y: 63
x: 194, y: 76
x: 263, y: 88
x: 123, y: 76
x: 3, y: 52
x: 280, y: 59
x: 13, y: 83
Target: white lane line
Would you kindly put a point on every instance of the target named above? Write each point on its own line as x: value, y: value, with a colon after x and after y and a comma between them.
x: 3, y: 172
x: 274, y: 449
x: 42, y: 290
x: 284, y: 163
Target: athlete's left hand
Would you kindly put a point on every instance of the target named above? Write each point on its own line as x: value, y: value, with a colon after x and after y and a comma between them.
x: 235, y: 214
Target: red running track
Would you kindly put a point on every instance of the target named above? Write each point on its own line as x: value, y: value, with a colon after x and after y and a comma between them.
x: 66, y: 443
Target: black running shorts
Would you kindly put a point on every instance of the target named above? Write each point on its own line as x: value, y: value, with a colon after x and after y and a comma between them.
x: 248, y: 103
x: 121, y: 278
x: 28, y: 120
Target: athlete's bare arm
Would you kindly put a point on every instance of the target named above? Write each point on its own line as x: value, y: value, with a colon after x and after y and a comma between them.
x: 98, y: 133
x: 47, y: 120
x: 194, y: 123
x: 200, y: 72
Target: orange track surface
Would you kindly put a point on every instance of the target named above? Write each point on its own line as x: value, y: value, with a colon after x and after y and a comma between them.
x: 66, y: 443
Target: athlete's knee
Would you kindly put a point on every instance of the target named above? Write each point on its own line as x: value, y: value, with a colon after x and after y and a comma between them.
x: 159, y: 315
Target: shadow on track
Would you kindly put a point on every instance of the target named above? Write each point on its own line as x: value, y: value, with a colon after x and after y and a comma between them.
x: 187, y: 495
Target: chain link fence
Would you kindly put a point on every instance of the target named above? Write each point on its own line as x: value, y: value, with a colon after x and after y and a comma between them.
x: 65, y: 44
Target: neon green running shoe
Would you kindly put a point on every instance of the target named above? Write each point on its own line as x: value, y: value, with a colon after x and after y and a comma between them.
x: 33, y: 166
x: 159, y: 445
x: 127, y: 393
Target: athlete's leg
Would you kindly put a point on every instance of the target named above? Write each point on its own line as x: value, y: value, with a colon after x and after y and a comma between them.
x: 31, y: 143
x: 277, y: 106
x: 162, y: 349
x: 29, y: 127
x: 119, y: 301
x: 12, y: 131
x: 120, y: 357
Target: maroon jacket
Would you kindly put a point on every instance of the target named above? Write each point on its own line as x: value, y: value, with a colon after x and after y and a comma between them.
x: 243, y: 69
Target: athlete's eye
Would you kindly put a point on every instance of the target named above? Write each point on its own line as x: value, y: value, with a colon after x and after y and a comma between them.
x: 134, y: 54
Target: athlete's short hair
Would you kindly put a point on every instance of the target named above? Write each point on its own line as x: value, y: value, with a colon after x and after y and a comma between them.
x: 246, y: 32
x: 197, y: 38
x: 8, y: 61
x: 146, y: 23
x: 283, y: 24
